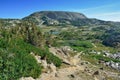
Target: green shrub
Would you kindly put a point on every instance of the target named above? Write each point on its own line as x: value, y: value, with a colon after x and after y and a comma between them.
x: 84, y: 44
x: 16, y: 60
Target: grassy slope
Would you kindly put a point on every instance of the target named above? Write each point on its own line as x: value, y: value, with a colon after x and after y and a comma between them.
x: 16, y: 60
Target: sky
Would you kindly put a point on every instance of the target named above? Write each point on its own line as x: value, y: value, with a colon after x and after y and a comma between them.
x: 108, y: 10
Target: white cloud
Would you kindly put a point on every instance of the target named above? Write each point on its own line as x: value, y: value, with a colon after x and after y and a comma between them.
x: 105, y: 12
x: 111, y: 16
x: 108, y: 14
x: 99, y: 7
x: 103, y: 7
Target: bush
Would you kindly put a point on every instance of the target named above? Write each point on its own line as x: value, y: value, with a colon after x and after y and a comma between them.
x: 16, y: 60
x: 112, y: 40
x: 84, y: 44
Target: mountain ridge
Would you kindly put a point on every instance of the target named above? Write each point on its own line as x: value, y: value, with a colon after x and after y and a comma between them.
x: 63, y: 18
x: 60, y: 18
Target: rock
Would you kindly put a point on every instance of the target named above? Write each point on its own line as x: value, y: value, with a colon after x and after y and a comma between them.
x: 84, y: 63
x: 26, y: 78
x: 61, y: 53
x: 96, y: 73
x: 101, y: 68
x: 66, y: 50
x: 72, y: 76
x: 53, y: 68
x: 74, y: 61
x: 44, y: 64
x: 87, y: 70
x: 107, y: 54
x: 98, y: 53
x: 65, y: 61
x: 56, y: 75
x: 101, y: 61
x: 116, y: 56
x: 38, y: 58
x: 113, y: 65
x: 93, y: 52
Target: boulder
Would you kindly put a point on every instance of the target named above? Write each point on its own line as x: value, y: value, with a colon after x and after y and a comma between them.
x: 52, y: 67
x: 116, y: 56
x: 26, y: 78
x: 96, y: 73
x: 44, y: 63
x: 113, y: 65
x: 66, y: 50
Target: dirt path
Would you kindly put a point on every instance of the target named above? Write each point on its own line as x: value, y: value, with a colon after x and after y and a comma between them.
x: 74, y: 71
x: 61, y: 74
x: 70, y: 73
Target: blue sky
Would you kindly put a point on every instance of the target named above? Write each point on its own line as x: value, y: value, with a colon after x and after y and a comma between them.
x: 101, y: 9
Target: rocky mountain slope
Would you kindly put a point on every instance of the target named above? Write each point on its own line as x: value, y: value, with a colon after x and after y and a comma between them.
x: 54, y: 17
x: 59, y: 18
x: 55, y: 45
x: 78, y: 69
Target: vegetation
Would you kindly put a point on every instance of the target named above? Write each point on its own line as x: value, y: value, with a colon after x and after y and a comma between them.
x: 16, y: 44
x: 18, y: 38
x: 80, y: 45
x: 112, y: 39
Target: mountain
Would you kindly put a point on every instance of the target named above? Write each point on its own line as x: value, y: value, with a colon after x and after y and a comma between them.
x: 54, y: 17
x: 64, y: 18
x: 59, y: 18
x: 79, y: 51
x: 9, y: 22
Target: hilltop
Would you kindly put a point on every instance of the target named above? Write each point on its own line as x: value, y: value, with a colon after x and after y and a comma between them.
x: 65, y: 18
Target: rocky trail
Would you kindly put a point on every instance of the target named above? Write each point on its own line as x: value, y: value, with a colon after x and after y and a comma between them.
x: 73, y: 69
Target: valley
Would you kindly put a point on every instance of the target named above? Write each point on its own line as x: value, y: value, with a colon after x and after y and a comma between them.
x: 58, y: 45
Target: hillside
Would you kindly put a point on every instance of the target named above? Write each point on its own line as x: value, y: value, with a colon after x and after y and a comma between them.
x: 54, y: 45
x: 54, y: 17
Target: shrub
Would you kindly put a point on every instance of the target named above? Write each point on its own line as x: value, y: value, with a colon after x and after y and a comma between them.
x: 15, y: 58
